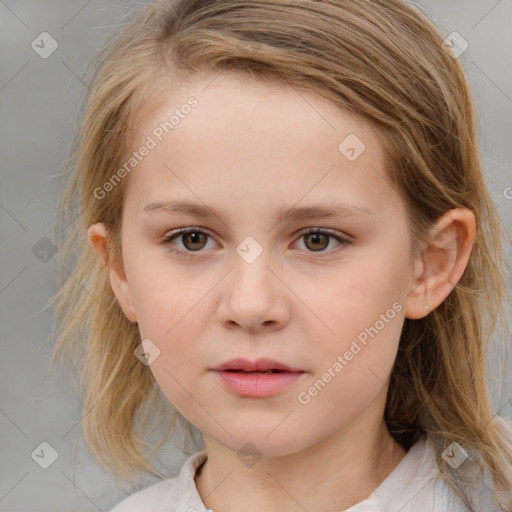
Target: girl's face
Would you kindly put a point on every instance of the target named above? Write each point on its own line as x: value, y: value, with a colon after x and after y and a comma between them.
x: 261, y: 164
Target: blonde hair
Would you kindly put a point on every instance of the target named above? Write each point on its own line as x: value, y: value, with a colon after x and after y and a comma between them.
x: 381, y: 59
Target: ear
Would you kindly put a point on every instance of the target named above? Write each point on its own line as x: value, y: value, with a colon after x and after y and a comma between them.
x: 97, y: 235
x: 442, y: 262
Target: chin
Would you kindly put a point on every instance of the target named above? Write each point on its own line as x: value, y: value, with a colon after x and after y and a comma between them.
x: 259, y: 444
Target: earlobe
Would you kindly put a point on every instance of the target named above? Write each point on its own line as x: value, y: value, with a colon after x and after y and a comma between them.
x: 97, y: 236
x: 442, y: 263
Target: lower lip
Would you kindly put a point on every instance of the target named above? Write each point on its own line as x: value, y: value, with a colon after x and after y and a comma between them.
x: 258, y: 384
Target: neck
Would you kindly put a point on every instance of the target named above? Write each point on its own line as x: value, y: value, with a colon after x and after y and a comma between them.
x: 334, y: 474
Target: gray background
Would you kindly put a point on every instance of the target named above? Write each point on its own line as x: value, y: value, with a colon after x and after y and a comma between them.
x: 39, y: 100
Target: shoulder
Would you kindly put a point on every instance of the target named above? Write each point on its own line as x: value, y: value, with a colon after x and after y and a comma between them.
x: 148, y: 499
x: 480, y: 493
x: 416, y: 485
x: 170, y: 495
x: 480, y: 496
x: 446, y: 499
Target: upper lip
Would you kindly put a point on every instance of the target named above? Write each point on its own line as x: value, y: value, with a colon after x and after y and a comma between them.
x: 261, y: 365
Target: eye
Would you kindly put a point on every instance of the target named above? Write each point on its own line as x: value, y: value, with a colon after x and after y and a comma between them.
x: 318, y: 239
x: 194, y: 239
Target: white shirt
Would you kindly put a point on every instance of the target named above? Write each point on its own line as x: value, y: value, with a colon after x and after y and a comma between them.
x: 413, y: 486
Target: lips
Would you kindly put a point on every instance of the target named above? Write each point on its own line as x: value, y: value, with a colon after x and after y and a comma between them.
x: 262, y: 365
x: 257, y: 379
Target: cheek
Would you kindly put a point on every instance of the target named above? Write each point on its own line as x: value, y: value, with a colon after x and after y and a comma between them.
x: 168, y: 312
x: 181, y: 359
x: 162, y: 295
x: 352, y: 370
x: 365, y: 344
x: 357, y: 295
x: 363, y: 307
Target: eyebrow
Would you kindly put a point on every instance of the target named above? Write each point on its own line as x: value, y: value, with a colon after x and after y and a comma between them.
x: 322, y: 211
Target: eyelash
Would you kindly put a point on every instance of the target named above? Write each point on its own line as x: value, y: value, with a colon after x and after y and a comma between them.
x: 189, y: 254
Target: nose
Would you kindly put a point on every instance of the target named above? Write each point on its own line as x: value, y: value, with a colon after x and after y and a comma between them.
x: 254, y: 297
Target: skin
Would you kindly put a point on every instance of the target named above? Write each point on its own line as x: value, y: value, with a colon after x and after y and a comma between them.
x: 248, y: 149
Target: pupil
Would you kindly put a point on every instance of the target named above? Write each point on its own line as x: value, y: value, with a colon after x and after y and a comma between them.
x: 196, y: 238
x: 315, y: 236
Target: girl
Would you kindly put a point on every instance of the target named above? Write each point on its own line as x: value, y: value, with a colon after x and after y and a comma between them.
x: 221, y: 142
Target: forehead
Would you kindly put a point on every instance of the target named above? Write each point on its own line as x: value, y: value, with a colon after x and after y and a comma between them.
x: 242, y: 135
x: 264, y: 104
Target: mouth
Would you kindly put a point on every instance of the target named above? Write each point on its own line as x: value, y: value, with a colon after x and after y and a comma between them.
x: 267, y: 372
x: 262, y: 365
x: 257, y: 379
